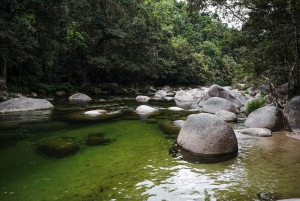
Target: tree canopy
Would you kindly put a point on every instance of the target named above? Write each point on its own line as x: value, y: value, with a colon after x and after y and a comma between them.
x: 48, y: 45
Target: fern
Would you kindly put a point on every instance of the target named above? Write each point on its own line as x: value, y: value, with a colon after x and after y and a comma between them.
x: 254, y: 105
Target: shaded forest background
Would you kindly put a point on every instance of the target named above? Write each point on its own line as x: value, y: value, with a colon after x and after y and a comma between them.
x: 50, y: 45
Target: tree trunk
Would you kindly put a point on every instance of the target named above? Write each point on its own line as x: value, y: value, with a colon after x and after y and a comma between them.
x: 3, y: 64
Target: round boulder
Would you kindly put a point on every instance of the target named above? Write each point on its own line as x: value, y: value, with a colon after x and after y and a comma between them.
x: 266, y: 117
x: 226, y: 116
x: 207, y: 134
x: 142, y: 98
x: 144, y: 109
x: 161, y: 93
x: 217, y: 91
x: 183, y: 96
x: 291, y: 113
x: 80, y: 97
x: 24, y: 104
x: 178, y: 123
x: 215, y: 104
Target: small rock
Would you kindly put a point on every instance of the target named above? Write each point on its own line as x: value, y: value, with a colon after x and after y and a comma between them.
x: 178, y: 123
x: 142, y: 98
x: 260, y: 132
x: 175, y: 109
x: 80, y: 97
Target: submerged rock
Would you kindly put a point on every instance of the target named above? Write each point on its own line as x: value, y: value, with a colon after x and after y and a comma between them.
x: 206, y: 134
x: 24, y: 104
x: 170, y: 128
x: 80, y: 97
x: 95, y: 112
x: 60, y: 147
x: 97, y: 139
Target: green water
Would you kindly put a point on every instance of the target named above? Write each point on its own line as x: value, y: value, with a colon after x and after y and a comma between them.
x: 137, y: 164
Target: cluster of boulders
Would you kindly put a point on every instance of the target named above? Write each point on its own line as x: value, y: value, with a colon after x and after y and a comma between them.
x: 209, y: 134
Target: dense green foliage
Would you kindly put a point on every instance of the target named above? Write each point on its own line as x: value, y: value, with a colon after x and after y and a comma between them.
x: 270, y: 38
x: 254, y: 105
x: 48, y: 45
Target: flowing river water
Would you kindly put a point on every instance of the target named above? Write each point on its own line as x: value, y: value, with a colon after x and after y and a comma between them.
x: 136, y: 165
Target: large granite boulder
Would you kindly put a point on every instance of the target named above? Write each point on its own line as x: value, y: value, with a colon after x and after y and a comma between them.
x: 217, y: 91
x: 266, y: 117
x: 292, y: 114
x: 239, y: 96
x: 183, y: 96
x: 226, y: 116
x: 24, y: 104
x: 207, y: 134
x: 215, y: 104
x: 80, y: 97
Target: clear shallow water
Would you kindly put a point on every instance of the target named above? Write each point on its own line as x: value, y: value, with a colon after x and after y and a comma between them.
x: 136, y: 165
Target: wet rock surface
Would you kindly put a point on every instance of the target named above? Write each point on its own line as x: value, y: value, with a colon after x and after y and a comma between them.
x: 291, y: 113
x: 267, y: 117
x: 60, y: 147
x: 24, y: 104
x: 97, y: 139
x: 207, y: 134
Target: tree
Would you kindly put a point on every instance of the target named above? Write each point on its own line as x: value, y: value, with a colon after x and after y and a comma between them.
x: 271, y: 38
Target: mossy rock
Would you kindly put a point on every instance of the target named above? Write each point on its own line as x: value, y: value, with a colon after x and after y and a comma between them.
x: 151, y: 121
x: 6, y: 143
x: 169, y: 128
x: 60, y: 147
x: 56, y: 125
x: 97, y: 139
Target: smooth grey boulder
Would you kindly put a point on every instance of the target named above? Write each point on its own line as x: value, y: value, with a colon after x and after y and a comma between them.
x: 142, y: 98
x: 215, y: 104
x: 80, y: 97
x: 183, y: 96
x: 144, y: 109
x: 208, y: 135
x: 157, y: 97
x: 291, y: 113
x: 24, y: 104
x: 239, y: 96
x: 161, y: 93
x: 260, y: 132
x: 217, y: 91
x: 266, y: 117
x: 178, y: 123
x: 226, y: 115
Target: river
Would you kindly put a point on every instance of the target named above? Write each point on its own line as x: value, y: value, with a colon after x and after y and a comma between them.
x: 136, y: 165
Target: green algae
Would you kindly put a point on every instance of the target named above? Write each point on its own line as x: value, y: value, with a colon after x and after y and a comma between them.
x: 137, y: 165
